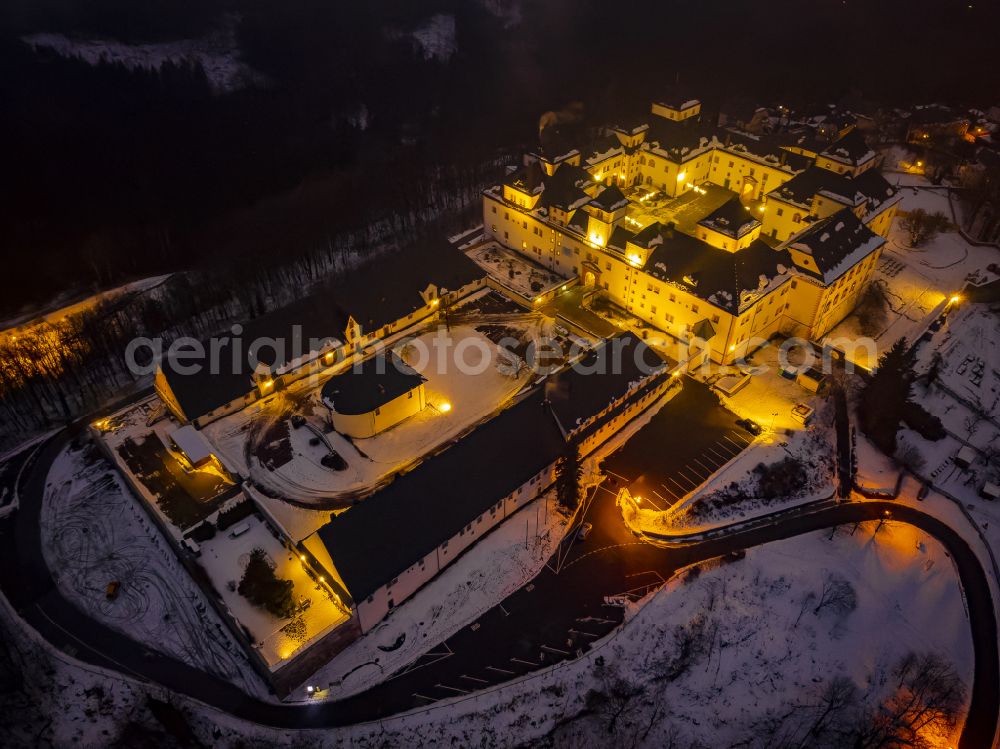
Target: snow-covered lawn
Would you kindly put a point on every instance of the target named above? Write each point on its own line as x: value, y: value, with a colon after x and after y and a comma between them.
x: 494, y: 568
x: 918, y: 282
x: 456, y: 401
x: 224, y: 558
x: 94, y: 533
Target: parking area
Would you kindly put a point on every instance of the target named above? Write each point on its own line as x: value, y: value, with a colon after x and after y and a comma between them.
x: 691, y: 438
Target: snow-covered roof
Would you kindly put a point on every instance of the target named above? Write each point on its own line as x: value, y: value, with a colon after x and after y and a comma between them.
x: 836, y: 245
x: 192, y: 443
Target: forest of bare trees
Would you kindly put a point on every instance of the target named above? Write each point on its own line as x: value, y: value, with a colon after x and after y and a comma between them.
x: 58, y: 371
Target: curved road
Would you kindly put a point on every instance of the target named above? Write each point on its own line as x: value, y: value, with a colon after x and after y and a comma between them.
x: 610, y: 561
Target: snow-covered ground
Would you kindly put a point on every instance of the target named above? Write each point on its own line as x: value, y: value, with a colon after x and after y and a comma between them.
x: 751, y: 656
x: 732, y: 496
x: 94, y: 533
x: 218, y: 53
x: 494, y: 568
x: 457, y: 399
x: 918, y: 283
x: 224, y: 558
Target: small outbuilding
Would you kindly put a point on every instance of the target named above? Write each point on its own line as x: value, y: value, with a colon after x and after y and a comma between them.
x: 371, y: 397
x: 990, y: 491
x: 192, y: 445
x: 965, y: 457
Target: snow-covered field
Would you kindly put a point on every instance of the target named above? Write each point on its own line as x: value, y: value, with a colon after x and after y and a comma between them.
x: 736, y: 653
x: 93, y: 533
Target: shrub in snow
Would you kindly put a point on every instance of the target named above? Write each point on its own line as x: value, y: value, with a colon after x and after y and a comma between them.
x: 264, y: 589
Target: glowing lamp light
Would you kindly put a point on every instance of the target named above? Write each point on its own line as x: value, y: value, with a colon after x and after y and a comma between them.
x: 322, y: 579
x: 597, y: 178
x: 444, y: 407
x: 302, y: 557
x: 682, y: 176
x: 635, y: 260
x: 733, y: 347
x: 266, y: 384
x: 638, y: 500
x: 435, y: 302
x: 310, y: 690
x: 955, y: 299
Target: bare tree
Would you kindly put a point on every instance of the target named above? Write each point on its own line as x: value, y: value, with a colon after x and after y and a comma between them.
x: 837, y: 595
x: 923, y: 226
x: 928, y: 701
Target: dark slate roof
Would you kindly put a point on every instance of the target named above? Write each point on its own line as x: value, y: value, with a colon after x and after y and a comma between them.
x: 375, y: 382
x: 376, y: 540
x: 680, y: 140
x: 388, y: 288
x: 731, y: 218
x: 371, y: 295
x: 610, y: 199
x: 874, y: 187
x: 526, y: 179
x: 565, y: 187
x: 648, y: 236
x: 837, y: 244
x: 703, y: 329
x: 851, y: 149
x: 715, y: 275
x: 388, y: 533
x: 767, y: 148
x: 801, y: 188
x: 205, y: 390
x: 602, y: 147
x: 600, y: 377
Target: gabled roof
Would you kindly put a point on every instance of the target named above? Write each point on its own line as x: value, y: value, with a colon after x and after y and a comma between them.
x: 731, y: 218
x: 386, y: 534
x: 724, y: 279
x: 376, y: 381
x: 372, y: 296
x: 602, y: 148
x: 836, y: 245
x: 801, y: 188
x: 564, y: 189
x: 528, y: 179
x: 610, y: 199
x: 851, y: 149
x: 575, y: 394
x: 678, y: 141
x: 766, y: 148
x: 874, y: 187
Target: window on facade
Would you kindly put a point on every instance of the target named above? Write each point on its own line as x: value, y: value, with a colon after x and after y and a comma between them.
x: 494, y: 208
x: 694, y: 308
x: 797, y: 218
x: 378, y: 411
x: 673, y: 298
x: 652, y: 308
x: 715, y: 318
x: 506, y: 215
x: 780, y: 212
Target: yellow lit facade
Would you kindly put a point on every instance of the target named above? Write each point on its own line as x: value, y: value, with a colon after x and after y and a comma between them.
x: 561, y: 220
